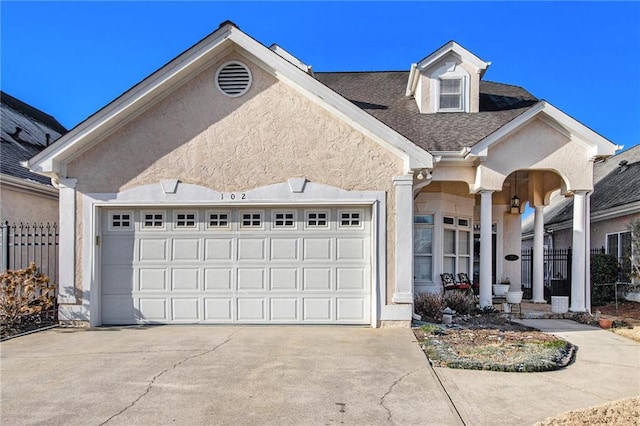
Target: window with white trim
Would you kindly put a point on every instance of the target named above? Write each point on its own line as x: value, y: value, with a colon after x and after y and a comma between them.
x: 456, y: 245
x: 186, y: 220
x: 120, y: 221
x: 423, y: 247
x: 450, y: 98
x: 218, y: 219
x: 284, y: 219
x: 250, y: 220
x: 316, y: 219
x: 349, y: 219
x: 619, y: 245
x: 152, y: 220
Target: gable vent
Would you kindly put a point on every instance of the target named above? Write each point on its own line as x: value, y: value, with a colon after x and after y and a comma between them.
x: 233, y: 79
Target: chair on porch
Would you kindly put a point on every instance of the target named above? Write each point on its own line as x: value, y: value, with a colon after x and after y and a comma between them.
x: 463, y: 278
x: 449, y: 283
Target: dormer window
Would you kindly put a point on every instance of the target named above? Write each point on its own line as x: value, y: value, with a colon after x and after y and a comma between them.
x: 451, y: 94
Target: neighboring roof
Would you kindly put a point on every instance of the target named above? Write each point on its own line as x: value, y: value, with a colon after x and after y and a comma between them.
x: 382, y: 94
x: 617, y: 183
x: 23, y: 134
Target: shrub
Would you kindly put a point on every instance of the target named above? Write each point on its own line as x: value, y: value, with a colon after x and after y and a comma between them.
x: 429, y: 305
x: 461, y: 302
x: 24, y: 292
x: 604, y: 269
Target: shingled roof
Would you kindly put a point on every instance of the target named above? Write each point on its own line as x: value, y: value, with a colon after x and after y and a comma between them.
x: 382, y: 94
x: 23, y: 134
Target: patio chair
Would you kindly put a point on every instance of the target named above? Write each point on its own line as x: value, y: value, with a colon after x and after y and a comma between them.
x: 449, y: 283
x: 463, y: 278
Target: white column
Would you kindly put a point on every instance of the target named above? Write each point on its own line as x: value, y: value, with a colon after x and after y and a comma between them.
x: 578, y: 276
x: 67, y: 241
x: 587, y: 251
x: 404, y: 239
x: 486, y: 250
x: 538, y: 255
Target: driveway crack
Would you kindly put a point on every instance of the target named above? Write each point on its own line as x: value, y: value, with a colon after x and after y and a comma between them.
x: 166, y: 370
x: 389, y: 414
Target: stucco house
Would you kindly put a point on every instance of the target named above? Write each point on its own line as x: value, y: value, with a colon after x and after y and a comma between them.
x: 25, y: 196
x: 236, y: 185
x: 614, y: 205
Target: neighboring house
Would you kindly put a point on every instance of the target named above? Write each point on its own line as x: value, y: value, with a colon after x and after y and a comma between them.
x: 25, y: 197
x: 234, y: 185
x: 614, y: 204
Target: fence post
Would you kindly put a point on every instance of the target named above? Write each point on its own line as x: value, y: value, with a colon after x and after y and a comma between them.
x: 5, y: 245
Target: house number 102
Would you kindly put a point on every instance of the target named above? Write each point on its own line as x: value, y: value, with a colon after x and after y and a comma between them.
x: 233, y: 196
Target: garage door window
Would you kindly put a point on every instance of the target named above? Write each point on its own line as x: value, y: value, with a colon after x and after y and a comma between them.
x: 152, y: 220
x: 218, y: 220
x: 284, y: 220
x: 251, y: 220
x: 350, y: 219
x: 186, y: 220
x: 317, y: 220
x: 120, y: 221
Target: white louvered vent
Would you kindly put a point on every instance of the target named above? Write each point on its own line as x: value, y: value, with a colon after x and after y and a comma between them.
x: 233, y: 79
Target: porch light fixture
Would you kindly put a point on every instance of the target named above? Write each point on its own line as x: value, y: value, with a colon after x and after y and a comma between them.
x: 424, y: 174
x: 515, y: 202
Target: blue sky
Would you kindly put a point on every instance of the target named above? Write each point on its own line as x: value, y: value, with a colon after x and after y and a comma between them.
x: 72, y: 58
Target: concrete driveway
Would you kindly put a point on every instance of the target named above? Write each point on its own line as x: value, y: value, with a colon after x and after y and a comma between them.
x: 186, y: 375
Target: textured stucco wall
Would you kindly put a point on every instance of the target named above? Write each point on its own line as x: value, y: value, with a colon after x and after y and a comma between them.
x: 18, y: 206
x: 272, y: 133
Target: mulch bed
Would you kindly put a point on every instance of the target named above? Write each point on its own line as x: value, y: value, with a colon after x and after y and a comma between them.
x: 490, y: 342
x: 27, y: 324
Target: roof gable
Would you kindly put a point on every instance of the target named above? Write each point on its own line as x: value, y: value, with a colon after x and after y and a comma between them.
x: 158, y: 85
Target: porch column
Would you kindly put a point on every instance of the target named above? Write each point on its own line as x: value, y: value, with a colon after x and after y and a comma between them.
x: 538, y: 255
x: 578, y: 264
x: 587, y: 253
x: 404, y: 239
x: 486, y: 249
x: 67, y: 241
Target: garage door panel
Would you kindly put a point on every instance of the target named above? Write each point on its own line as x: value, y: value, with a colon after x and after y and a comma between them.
x: 186, y: 250
x: 117, y: 280
x: 118, y: 309
x: 284, y: 279
x: 153, y: 309
x: 284, y: 309
x: 152, y: 279
x: 251, y: 279
x: 185, y: 310
x: 185, y: 279
x: 317, y: 249
x: 350, y: 249
x: 153, y: 250
x: 350, y: 279
x: 285, y: 249
x: 251, y: 309
x: 317, y: 279
x: 218, y: 279
x: 316, y: 309
x: 218, y: 309
x: 350, y: 309
x: 251, y: 249
x: 218, y: 249
x: 118, y: 250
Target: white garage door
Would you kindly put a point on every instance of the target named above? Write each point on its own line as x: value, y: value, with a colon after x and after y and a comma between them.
x: 259, y: 265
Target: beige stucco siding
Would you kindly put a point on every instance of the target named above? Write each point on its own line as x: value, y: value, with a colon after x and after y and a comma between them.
x: 270, y: 134
x: 20, y: 206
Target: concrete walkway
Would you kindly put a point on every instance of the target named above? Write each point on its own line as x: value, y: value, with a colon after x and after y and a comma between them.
x: 209, y: 375
x: 607, y: 368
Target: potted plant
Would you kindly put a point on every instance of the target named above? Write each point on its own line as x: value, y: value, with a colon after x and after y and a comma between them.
x: 500, y: 290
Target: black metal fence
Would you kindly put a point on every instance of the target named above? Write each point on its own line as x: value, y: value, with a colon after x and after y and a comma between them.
x: 557, y: 272
x: 25, y: 243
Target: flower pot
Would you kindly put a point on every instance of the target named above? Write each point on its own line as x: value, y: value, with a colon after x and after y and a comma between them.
x: 605, y: 322
x: 500, y: 290
x: 514, y: 296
